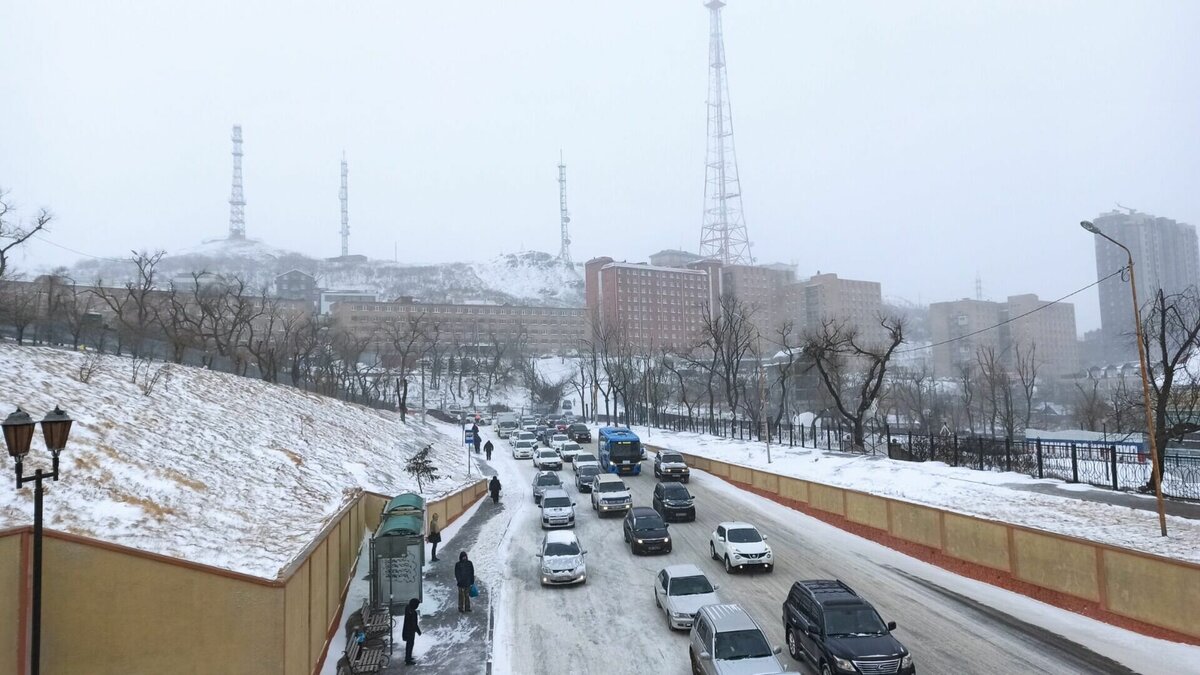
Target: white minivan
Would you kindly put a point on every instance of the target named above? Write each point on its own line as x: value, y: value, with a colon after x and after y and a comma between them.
x: 557, y: 509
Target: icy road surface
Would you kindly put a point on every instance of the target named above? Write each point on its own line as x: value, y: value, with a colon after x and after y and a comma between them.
x: 610, y: 624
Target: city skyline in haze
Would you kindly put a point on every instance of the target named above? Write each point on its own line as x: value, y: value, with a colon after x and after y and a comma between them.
x: 915, y: 145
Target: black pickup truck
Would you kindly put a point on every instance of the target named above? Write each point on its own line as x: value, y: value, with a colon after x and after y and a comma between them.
x: 834, y: 630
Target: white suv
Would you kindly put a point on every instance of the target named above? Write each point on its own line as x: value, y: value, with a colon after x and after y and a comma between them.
x: 724, y: 639
x: 739, y: 545
x: 568, y: 450
x: 610, y: 494
x: 557, y: 509
x: 523, y: 450
x: 547, y: 459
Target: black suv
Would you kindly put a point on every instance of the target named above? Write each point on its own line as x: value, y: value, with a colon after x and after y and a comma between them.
x: 645, y: 531
x: 580, y: 433
x: 674, y: 502
x: 833, y: 629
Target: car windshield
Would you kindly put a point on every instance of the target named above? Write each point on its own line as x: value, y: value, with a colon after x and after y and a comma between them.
x: 844, y: 621
x: 741, y: 644
x: 690, y: 586
x: 559, y: 437
x: 677, y: 492
x: 548, y: 479
x: 556, y: 548
x: 579, y: 427
x: 614, y: 486
x: 567, y: 447
x: 556, y: 502
x: 584, y: 457
x: 654, y: 522
x: 547, y: 453
x: 743, y: 535
x: 671, y: 458
x: 588, y: 471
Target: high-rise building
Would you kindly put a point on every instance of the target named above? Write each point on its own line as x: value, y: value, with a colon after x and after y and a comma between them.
x: 761, y: 290
x: 1165, y: 256
x: 826, y: 296
x: 960, y: 328
x: 650, y: 306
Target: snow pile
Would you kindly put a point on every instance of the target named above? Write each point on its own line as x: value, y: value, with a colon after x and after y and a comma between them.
x: 210, y: 467
x: 985, y: 494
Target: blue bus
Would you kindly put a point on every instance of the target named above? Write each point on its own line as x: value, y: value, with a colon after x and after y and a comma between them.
x: 621, y: 450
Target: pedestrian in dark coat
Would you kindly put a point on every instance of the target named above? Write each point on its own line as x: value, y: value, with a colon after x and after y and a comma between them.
x: 464, y: 575
x: 487, y: 448
x: 411, y: 630
x: 494, y: 488
x: 475, y: 440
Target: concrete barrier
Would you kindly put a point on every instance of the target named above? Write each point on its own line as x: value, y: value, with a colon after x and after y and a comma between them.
x: 1157, y: 591
x: 107, y: 608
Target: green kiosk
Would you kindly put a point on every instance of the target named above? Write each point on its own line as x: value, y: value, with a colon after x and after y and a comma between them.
x: 398, y: 553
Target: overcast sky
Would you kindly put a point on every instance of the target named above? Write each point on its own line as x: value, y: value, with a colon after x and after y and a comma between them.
x: 913, y: 143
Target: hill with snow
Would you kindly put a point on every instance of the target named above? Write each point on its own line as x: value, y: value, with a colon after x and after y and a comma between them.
x: 210, y: 467
x: 530, y: 278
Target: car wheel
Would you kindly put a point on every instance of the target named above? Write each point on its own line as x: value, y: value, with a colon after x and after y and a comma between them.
x: 712, y: 551
x: 793, y: 648
x: 626, y: 535
x: 656, y: 602
x: 685, y: 480
x: 825, y: 669
x: 728, y: 566
x: 695, y: 666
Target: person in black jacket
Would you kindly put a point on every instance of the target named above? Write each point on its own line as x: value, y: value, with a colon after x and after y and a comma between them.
x: 494, y: 488
x: 411, y: 630
x: 487, y: 449
x: 464, y: 575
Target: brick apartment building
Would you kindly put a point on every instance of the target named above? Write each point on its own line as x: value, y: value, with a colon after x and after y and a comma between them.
x: 543, y: 330
x: 653, y: 306
x: 1051, y: 330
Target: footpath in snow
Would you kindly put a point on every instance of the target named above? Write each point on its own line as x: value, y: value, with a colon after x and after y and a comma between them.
x: 985, y: 494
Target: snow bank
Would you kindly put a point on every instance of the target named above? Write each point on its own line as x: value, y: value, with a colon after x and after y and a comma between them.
x: 210, y: 467
x: 985, y: 494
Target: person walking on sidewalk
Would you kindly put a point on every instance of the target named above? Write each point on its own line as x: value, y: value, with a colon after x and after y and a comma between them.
x: 475, y: 437
x: 435, y: 536
x: 487, y: 449
x: 411, y: 630
x: 494, y: 488
x: 464, y: 574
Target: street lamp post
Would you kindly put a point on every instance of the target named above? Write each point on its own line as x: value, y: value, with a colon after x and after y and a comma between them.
x: 18, y: 433
x: 1156, y: 472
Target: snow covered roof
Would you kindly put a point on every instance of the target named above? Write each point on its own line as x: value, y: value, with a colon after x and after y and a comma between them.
x: 208, y: 467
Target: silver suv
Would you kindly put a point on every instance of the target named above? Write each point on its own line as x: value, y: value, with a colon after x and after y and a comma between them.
x: 726, y: 641
x: 544, y: 481
x: 557, y: 509
x: 609, y: 494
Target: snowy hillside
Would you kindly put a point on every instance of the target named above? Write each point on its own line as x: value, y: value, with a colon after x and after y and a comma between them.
x: 530, y: 277
x: 218, y: 469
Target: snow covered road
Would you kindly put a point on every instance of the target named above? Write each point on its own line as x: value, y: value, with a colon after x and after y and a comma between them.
x: 610, y: 624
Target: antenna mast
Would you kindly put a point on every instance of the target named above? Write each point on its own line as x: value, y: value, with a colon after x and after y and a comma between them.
x: 564, y: 253
x: 344, y: 195
x: 723, y: 236
x: 237, y: 201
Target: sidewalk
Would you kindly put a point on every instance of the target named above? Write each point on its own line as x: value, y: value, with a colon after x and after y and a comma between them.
x: 453, y: 642
x: 1133, y: 500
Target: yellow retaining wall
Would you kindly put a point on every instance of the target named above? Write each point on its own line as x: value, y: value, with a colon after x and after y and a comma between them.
x: 867, y: 510
x: 978, y: 541
x: 111, y: 609
x: 10, y: 602
x: 1155, y: 590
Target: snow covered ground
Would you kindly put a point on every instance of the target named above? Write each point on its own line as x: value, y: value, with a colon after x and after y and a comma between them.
x: 977, y: 493
x: 214, y: 468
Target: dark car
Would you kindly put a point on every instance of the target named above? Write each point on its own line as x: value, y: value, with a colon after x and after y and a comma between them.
x: 580, y: 433
x: 834, y: 630
x: 672, y: 501
x: 561, y: 426
x: 646, y: 531
x: 670, y: 466
x: 544, y: 480
x: 584, y: 476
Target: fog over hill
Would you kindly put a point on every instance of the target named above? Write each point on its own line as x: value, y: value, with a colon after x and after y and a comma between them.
x: 529, y: 277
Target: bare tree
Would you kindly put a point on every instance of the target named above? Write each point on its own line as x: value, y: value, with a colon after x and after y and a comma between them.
x: 1171, y: 336
x: 133, y: 305
x: 18, y: 307
x: 1090, y: 408
x: 730, y: 333
x: 836, y: 343
x: 13, y: 234
x: 998, y: 388
x: 1027, y: 375
x: 967, y: 382
x: 789, y: 343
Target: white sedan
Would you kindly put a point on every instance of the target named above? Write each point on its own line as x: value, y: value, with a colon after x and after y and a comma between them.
x: 558, y: 440
x: 680, y: 591
x: 585, y: 459
x: 739, y: 545
x: 523, y: 449
x: 547, y: 459
x: 568, y: 451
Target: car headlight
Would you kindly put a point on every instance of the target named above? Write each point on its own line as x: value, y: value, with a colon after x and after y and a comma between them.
x: 680, y: 615
x: 906, y: 662
x: 667, y: 540
x: 737, y: 555
x: 639, y: 541
x: 545, y: 570
x: 843, y: 664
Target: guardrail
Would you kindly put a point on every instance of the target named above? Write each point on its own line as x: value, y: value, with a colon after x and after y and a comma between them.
x: 1160, y: 592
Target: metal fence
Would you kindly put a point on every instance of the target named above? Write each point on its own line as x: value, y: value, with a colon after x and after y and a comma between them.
x: 1116, y: 466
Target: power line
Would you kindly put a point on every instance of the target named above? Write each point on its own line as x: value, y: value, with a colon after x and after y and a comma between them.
x: 1012, y: 319
x: 68, y: 248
